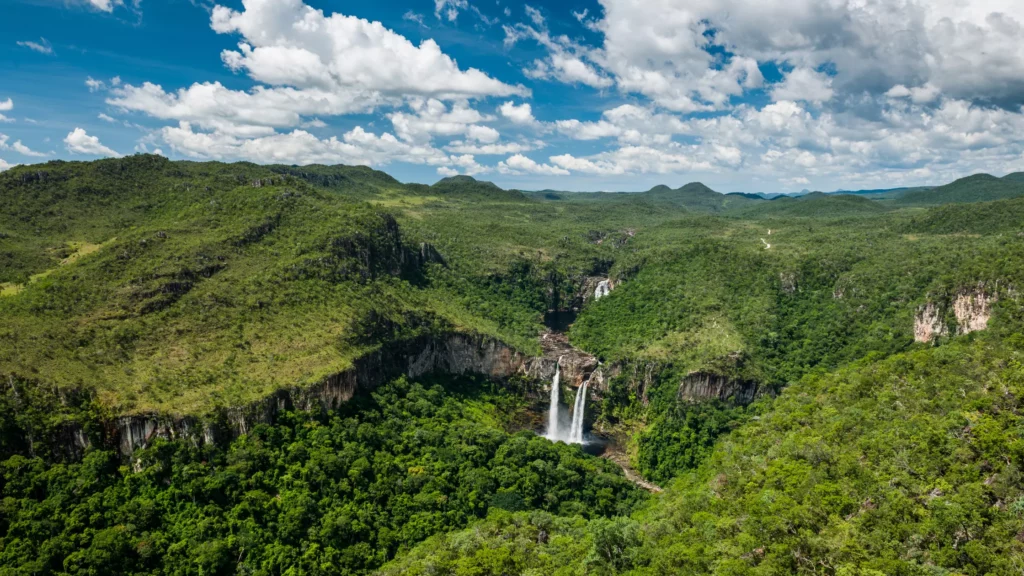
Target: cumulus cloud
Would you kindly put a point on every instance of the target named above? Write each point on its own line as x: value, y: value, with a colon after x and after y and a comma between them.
x: 521, y: 114
x: 94, y: 85
x: 432, y: 117
x: 628, y: 123
x: 356, y: 146
x: 968, y: 50
x: 6, y: 106
x: 519, y: 164
x: 804, y: 84
x: 257, y: 112
x: 5, y: 166
x: 19, y: 147
x: 286, y: 42
x: 79, y: 142
x: 919, y: 94
x: 43, y: 46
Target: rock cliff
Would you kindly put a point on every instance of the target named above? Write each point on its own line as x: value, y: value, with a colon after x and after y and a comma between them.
x: 972, y: 308
x: 455, y: 354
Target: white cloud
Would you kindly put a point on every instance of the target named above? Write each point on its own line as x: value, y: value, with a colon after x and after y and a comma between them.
x: 567, y: 61
x: 257, y: 112
x: 19, y: 147
x: 503, y: 149
x: 289, y: 43
x: 585, y: 166
x: 43, y: 46
x: 105, y: 118
x: 519, y: 164
x: 6, y: 106
x: 668, y: 159
x: 94, y: 85
x: 968, y: 50
x: 629, y: 123
x: 449, y: 8
x: 589, y: 24
x: 105, y: 5
x: 534, y: 15
x: 925, y: 94
x: 804, y: 84
x: 5, y: 166
x: 432, y: 117
x: 413, y: 17
x: 78, y: 142
x: 521, y: 114
x: 300, y: 147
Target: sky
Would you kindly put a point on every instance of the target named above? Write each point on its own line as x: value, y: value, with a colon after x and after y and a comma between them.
x: 743, y: 95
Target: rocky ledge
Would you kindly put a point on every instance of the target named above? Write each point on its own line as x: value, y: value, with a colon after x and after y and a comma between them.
x: 455, y: 354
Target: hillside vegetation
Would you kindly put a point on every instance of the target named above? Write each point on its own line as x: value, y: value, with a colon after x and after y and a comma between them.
x: 977, y: 188
x: 879, y: 341
x: 910, y: 465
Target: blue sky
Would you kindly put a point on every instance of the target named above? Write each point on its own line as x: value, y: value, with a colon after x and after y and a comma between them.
x: 758, y: 95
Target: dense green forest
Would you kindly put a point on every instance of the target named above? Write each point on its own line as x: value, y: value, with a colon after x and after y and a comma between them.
x: 822, y: 384
x: 332, y: 495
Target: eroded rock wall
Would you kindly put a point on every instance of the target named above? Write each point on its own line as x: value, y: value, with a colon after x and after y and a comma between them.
x: 455, y: 354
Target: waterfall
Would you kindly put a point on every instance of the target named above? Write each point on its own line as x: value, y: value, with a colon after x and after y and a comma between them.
x: 578, y: 410
x: 553, y: 411
x: 603, y: 289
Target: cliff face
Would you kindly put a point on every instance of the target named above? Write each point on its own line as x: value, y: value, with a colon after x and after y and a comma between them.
x: 577, y: 366
x: 928, y: 324
x: 972, y: 308
x: 702, y: 386
x: 455, y: 354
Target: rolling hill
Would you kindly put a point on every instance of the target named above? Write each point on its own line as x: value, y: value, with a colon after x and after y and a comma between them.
x: 976, y: 188
x: 233, y: 368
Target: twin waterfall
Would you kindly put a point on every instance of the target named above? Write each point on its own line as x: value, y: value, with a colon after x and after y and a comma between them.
x: 574, y: 435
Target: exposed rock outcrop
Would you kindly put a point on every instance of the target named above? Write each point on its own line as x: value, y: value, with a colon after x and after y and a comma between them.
x: 972, y: 309
x: 703, y: 386
x: 928, y: 324
x: 577, y: 366
x: 455, y: 354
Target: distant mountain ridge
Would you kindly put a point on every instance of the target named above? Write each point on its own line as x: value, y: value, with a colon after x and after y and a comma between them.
x: 975, y: 188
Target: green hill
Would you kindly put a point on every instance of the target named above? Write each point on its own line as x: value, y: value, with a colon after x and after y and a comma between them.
x: 822, y: 384
x: 1003, y: 216
x: 696, y: 196
x: 469, y: 186
x: 180, y: 286
x: 1015, y: 177
x: 977, y: 188
x: 815, y: 205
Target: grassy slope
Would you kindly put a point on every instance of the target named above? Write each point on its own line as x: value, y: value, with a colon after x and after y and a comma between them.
x: 201, y: 290
x: 205, y: 290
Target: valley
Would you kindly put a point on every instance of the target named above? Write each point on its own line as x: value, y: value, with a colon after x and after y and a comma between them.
x: 220, y: 368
